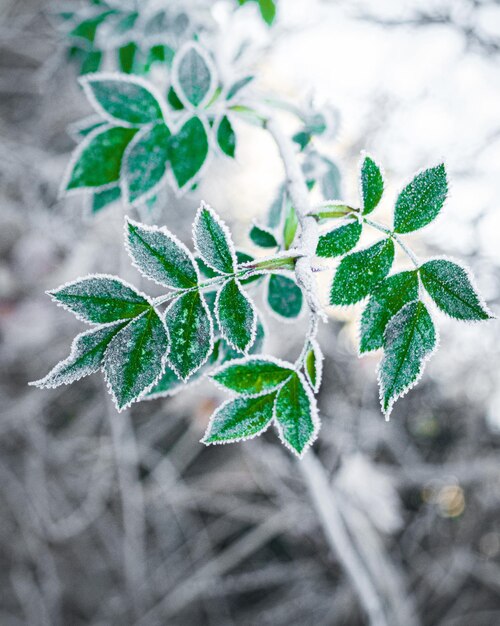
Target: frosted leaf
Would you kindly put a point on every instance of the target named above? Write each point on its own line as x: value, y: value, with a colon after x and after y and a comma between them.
x: 389, y: 297
x: 236, y: 315
x: 102, y: 199
x: 190, y: 327
x: 240, y: 419
x: 226, y: 137
x: 213, y: 242
x: 371, y: 184
x: 409, y: 341
x: 145, y: 163
x: 421, y: 200
x: 360, y: 273
x: 296, y: 414
x: 121, y: 98
x: 188, y: 150
x: 339, y: 240
x: 135, y: 358
x: 100, y: 299
x: 193, y: 75
x: 238, y: 86
x: 451, y: 288
x: 80, y: 129
x: 96, y: 162
x: 290, y: 224
x: 263, y: 237
x: 160, y: 256
x: 87, y: 352
x: 284, y: 296
x: 254, y: 375
x: 313, y: 365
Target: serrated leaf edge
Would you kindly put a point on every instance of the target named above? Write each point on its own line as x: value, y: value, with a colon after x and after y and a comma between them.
x: 253, y: 331
x: 363, y: 155
x: 227, y: 234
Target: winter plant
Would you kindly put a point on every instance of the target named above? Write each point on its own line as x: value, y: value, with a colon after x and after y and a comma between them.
x: 206, y: 323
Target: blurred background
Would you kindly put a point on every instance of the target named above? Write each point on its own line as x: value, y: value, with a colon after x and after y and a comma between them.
x: 128, y: 519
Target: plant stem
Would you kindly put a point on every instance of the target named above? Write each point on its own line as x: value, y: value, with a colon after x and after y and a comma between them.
x: 396, y: 238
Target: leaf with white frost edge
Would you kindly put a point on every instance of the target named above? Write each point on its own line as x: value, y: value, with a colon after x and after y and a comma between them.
x: 188, y: 152
x: 193, y: 75
x: 296, y: 415
x: 253, y: 376
x: 284, y: 297
x: 236, y: 315
x: 371, y: 183
x: 100, y: 299
x: 96, y: 162
x: 313, y: 365
x: 359, y: 273
x: 262, y: 236
x: 410, y: 339
x: 144, y: 165
x: 240, y: 419
x: 135, y: 358
x: 339, y: 240
x: 226, y: 137
x: 85, y: 358
x: 213, y: 241
x: 123, y: 99
x: 191, y: 328
x: 451, y: 286
x: 160, y: 256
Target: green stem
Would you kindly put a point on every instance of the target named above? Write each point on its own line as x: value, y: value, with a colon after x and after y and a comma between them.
x: 396, y: 238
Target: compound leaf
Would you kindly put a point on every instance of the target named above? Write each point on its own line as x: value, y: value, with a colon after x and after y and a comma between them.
x: 296, y: 414
x: 421, y: 200
x: 101, y: 299
x: 226, y: 137
x: 145, y: 162
x: 339, y: 240
x: 372, y: 185
x: 236, y: 316
x: 190, y: 326
x: 135, y: 358
x: 193, y: 75
x: 160, y: 256
x: 360, y: 273
x: 187, y: 151
x: 213, y: 242
x: 87, y: 352
x: 240, y: 419
x: 450, y: 286
x: 284, y: 296
x: 253, y: 376
x: 409, y: 340
x: 97, y: 160
x: 389, y: 297
x: 123, y: 98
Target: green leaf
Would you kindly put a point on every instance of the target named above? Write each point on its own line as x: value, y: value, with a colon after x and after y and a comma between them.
x: 167, y: 385
x: 389, y: 297
x: 123, y: 99
x: 372, y: 185
x: 187, y: 151
x: 240, y: 419
x: 253, y: 375
x: 193, y: 75
x: 360, y: 273
x: 238, y: 86
x: 313, y: 365
x: 173, y: 100
x: 339, y: 240
x: 84, y: 127
x: 160, y: 256
x: 420, y: 201
x: 145, y: 162
x: 409, y: 340
x: 135, y: 358
x: 190, y: 326
x: 296, y: 414
x: 263, y: 237
x: 91, y: 62
x: 451, y: 288
x: 102, y: 199
x: 97, y: 160
x: 213, y: 242
x: 268, y: 10
x: 100, y: 299
x: 289, y: 225
x: 126, y: 57
x: 226, y: 137
x: 236, y: 316
x: 87, y: 352
x: 87, y: 28
x: 284, y: 296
